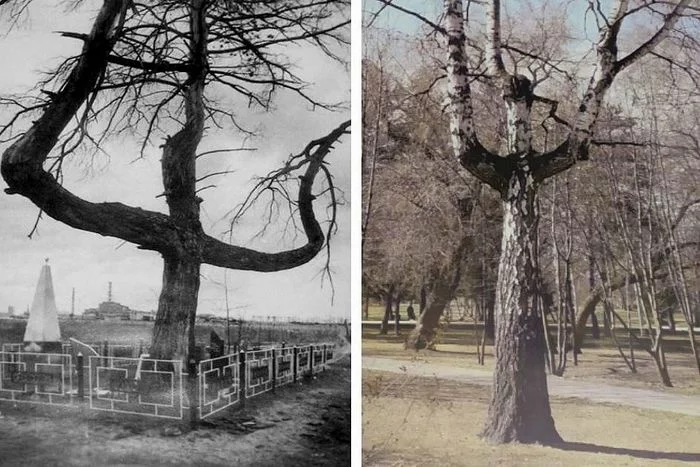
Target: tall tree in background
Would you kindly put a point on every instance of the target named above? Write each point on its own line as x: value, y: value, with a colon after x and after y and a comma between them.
x: 519, y: 408
x: 162, y: 67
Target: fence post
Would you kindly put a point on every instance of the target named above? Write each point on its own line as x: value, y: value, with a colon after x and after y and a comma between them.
x: 312, y: 351
x: 242, y: 379
x: 296, y: 362
x: 81, y: 375
x: 324, y: 357
x: 193, y: 390
x: 274, y: 369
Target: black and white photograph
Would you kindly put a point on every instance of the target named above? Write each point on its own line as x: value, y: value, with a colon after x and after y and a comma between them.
x: 175, y: 227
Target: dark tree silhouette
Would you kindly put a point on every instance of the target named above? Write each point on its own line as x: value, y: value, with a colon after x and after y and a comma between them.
x: 155, y: 67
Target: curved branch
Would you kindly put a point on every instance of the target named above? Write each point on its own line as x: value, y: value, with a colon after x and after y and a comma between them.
x: 580, y: 138
x: 22, y: 163
x: 218, y: 253
x: 487, y: 167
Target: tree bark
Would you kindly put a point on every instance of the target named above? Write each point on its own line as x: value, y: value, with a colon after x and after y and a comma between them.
x: 176, y: 308
x: 388, y: 298
x: 441, y: 291
x: 519, y: 409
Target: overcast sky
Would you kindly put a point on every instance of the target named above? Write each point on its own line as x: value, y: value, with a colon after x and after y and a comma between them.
x: 88, y: 262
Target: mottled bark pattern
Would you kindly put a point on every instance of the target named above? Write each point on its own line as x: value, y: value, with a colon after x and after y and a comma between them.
x: 519, y: 409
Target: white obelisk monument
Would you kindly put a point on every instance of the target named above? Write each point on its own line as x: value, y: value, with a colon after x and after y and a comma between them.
x: 42, y: 326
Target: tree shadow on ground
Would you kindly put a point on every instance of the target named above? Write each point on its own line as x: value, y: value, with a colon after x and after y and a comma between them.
x: 638, y: 453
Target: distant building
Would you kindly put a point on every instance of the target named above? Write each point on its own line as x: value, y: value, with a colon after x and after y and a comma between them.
x: 112, y: 310
x: 117, y: 311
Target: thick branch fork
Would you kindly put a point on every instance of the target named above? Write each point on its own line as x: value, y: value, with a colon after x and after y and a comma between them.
x: 495, y: 170
x: 177, y: 234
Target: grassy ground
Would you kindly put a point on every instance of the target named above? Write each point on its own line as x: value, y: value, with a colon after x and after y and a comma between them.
x: 422, y: 421
x: 137, y: 332
x: 600, y: 363
x: 375, y: 312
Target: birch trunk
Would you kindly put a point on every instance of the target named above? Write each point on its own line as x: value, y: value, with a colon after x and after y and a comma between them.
x: 519, y: 408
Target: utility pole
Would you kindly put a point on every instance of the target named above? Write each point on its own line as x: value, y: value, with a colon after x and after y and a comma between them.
x: 72, y: 304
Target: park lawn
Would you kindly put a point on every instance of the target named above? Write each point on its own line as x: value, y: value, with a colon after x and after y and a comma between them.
x: 602, y: 364
x: 410, y: 420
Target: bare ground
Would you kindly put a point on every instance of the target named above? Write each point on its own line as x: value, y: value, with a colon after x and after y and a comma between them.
x: 306, y: 424
x: 415, y: 421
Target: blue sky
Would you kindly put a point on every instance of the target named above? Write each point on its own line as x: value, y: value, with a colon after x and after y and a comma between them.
x: 87, y: 262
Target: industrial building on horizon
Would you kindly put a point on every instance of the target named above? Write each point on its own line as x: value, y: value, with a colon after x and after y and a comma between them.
x: 116, y: 311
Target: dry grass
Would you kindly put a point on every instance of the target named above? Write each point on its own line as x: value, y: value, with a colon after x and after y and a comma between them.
x: 422, y: 421
x: 595, y: 364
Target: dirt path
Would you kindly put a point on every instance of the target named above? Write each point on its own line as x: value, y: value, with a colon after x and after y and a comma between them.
x: 306, y: 424
x: 597, y: 392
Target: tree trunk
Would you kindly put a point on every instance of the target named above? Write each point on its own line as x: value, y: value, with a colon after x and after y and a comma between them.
x: 423, y: 299
x: 384, y: 328
x: 440, y: 294
x: 177, y: 307
x: 519, y: 409
x: 437, y: 296
x: 397, y: 315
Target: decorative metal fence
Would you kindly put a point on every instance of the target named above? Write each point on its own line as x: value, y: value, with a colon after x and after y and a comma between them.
x: 39, y: 378
x: 258, y: 372
x: 150, y: 387
x: 318, y: 357
x: 303, y: 360
x: 136, y: 385
x: 219, y: 384
x: 284, y: 366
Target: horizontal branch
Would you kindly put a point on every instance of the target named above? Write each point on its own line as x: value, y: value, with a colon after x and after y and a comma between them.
x: 22, y: 162
x: 158, y: 67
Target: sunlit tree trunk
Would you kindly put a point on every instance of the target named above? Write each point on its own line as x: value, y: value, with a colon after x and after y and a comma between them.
x: 519, y: 408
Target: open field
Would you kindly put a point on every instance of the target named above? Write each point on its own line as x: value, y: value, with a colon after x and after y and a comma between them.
x: 138, y: 332
x: 419, y: 421
x: 595, y: 363
x: 303, y: 424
